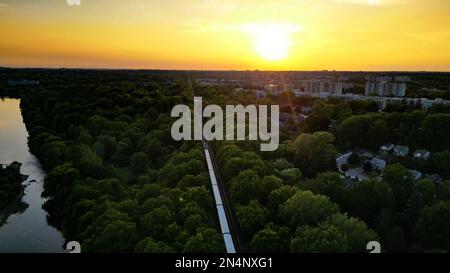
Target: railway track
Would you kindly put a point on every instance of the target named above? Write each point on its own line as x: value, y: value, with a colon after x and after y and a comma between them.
x: 227, y: 219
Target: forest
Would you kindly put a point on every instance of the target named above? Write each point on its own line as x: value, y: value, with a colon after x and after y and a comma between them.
x: 295, y: 200
x: 117, y: 181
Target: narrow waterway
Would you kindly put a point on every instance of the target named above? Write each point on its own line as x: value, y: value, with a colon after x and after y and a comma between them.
x: 23, y: 225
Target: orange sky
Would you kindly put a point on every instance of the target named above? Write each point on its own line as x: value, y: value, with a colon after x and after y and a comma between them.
x: 227, y: 34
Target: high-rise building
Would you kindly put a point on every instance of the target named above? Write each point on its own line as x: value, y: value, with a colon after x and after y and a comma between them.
x: 321, y: 86
x: 384, y: 86
x: 396, y: 89
x: 288, y: 87
x: 403, y: 79
x: 375, y: 88
x: 274, y: 88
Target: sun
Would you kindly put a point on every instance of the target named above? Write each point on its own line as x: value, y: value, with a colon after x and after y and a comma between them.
x: 272, y: 45
x: 272, y: 41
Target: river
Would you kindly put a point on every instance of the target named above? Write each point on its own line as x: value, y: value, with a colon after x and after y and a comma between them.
x: 23, y: 225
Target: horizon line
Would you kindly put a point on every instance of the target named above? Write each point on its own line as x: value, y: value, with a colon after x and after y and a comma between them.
x: 224, y: 70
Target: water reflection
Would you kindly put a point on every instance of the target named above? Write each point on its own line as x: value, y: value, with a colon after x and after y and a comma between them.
x: 26, y: 228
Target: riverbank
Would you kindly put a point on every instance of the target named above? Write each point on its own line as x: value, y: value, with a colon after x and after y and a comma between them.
x: 23, y: 223
x: 11, y: 187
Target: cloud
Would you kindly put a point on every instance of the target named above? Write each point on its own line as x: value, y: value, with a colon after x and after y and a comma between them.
x: 5, y: 6
x: 371, y: 2
x: 194, y: 26
x: 214, y: 27
x: 360, y: 2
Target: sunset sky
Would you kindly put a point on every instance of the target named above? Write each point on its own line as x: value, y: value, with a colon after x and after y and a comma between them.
x: 227, y: 34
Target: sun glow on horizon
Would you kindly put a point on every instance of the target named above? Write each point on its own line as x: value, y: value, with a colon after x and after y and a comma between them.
x: 272, y: 41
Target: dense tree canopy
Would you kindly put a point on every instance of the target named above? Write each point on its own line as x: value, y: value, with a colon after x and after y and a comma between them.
x: 10, y: 183
x: 315, y: 153
x: 118, y: 182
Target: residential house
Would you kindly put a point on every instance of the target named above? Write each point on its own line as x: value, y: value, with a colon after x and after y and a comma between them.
x: 306, y: 110
x: 400, y: 150
x: 378, y: 163
x: 434, y: 177
x: 416, y: 174
x: 422, y: 154
x: 386, y: 149
x: 259, y: 94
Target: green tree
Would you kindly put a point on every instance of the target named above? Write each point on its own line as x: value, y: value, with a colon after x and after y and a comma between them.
x: 395, y: 241
x: 148, y: 245
x: 440, y: 162
x: 330, y: 185
x: 10, y: 183
x: 99, y: 149
x: 369, y: 198
x: 267, y: 185
x: 400, y: 180
x: 319, y: 118
x: 377, y: 134
x: 352, y: 132
x: 315, y: 153
x: 60, y: 178
x: 247, y: 160
x: 85, y: 138
x: 443, y: 192
x: 154, y: 222
x: 426, y: 191
x: 152, y: 147
x: 117, y: 236
x: 139, y: 161
x: 96, y: 124
x: 437, y: 132
x: 271, y: 239
x: 356, y: 231
x: 367, y: 166
x: 207, y: 240
x: 323, y: 238
x: 109, y: 145
x: 291, y: 176
x: 433, y: 230
x: 282, y: 164
x: 354, y: 159
x: 251, y: 218
x: 279, y: 196
x: 244, y: 187
x: 341, y: 112
x: 306, y: 208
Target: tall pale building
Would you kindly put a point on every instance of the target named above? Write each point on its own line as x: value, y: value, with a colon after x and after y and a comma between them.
x: 385, y: 87
x: 322, y: 86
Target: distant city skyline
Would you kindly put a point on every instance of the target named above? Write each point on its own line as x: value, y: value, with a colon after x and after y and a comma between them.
x: 302, y: 35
